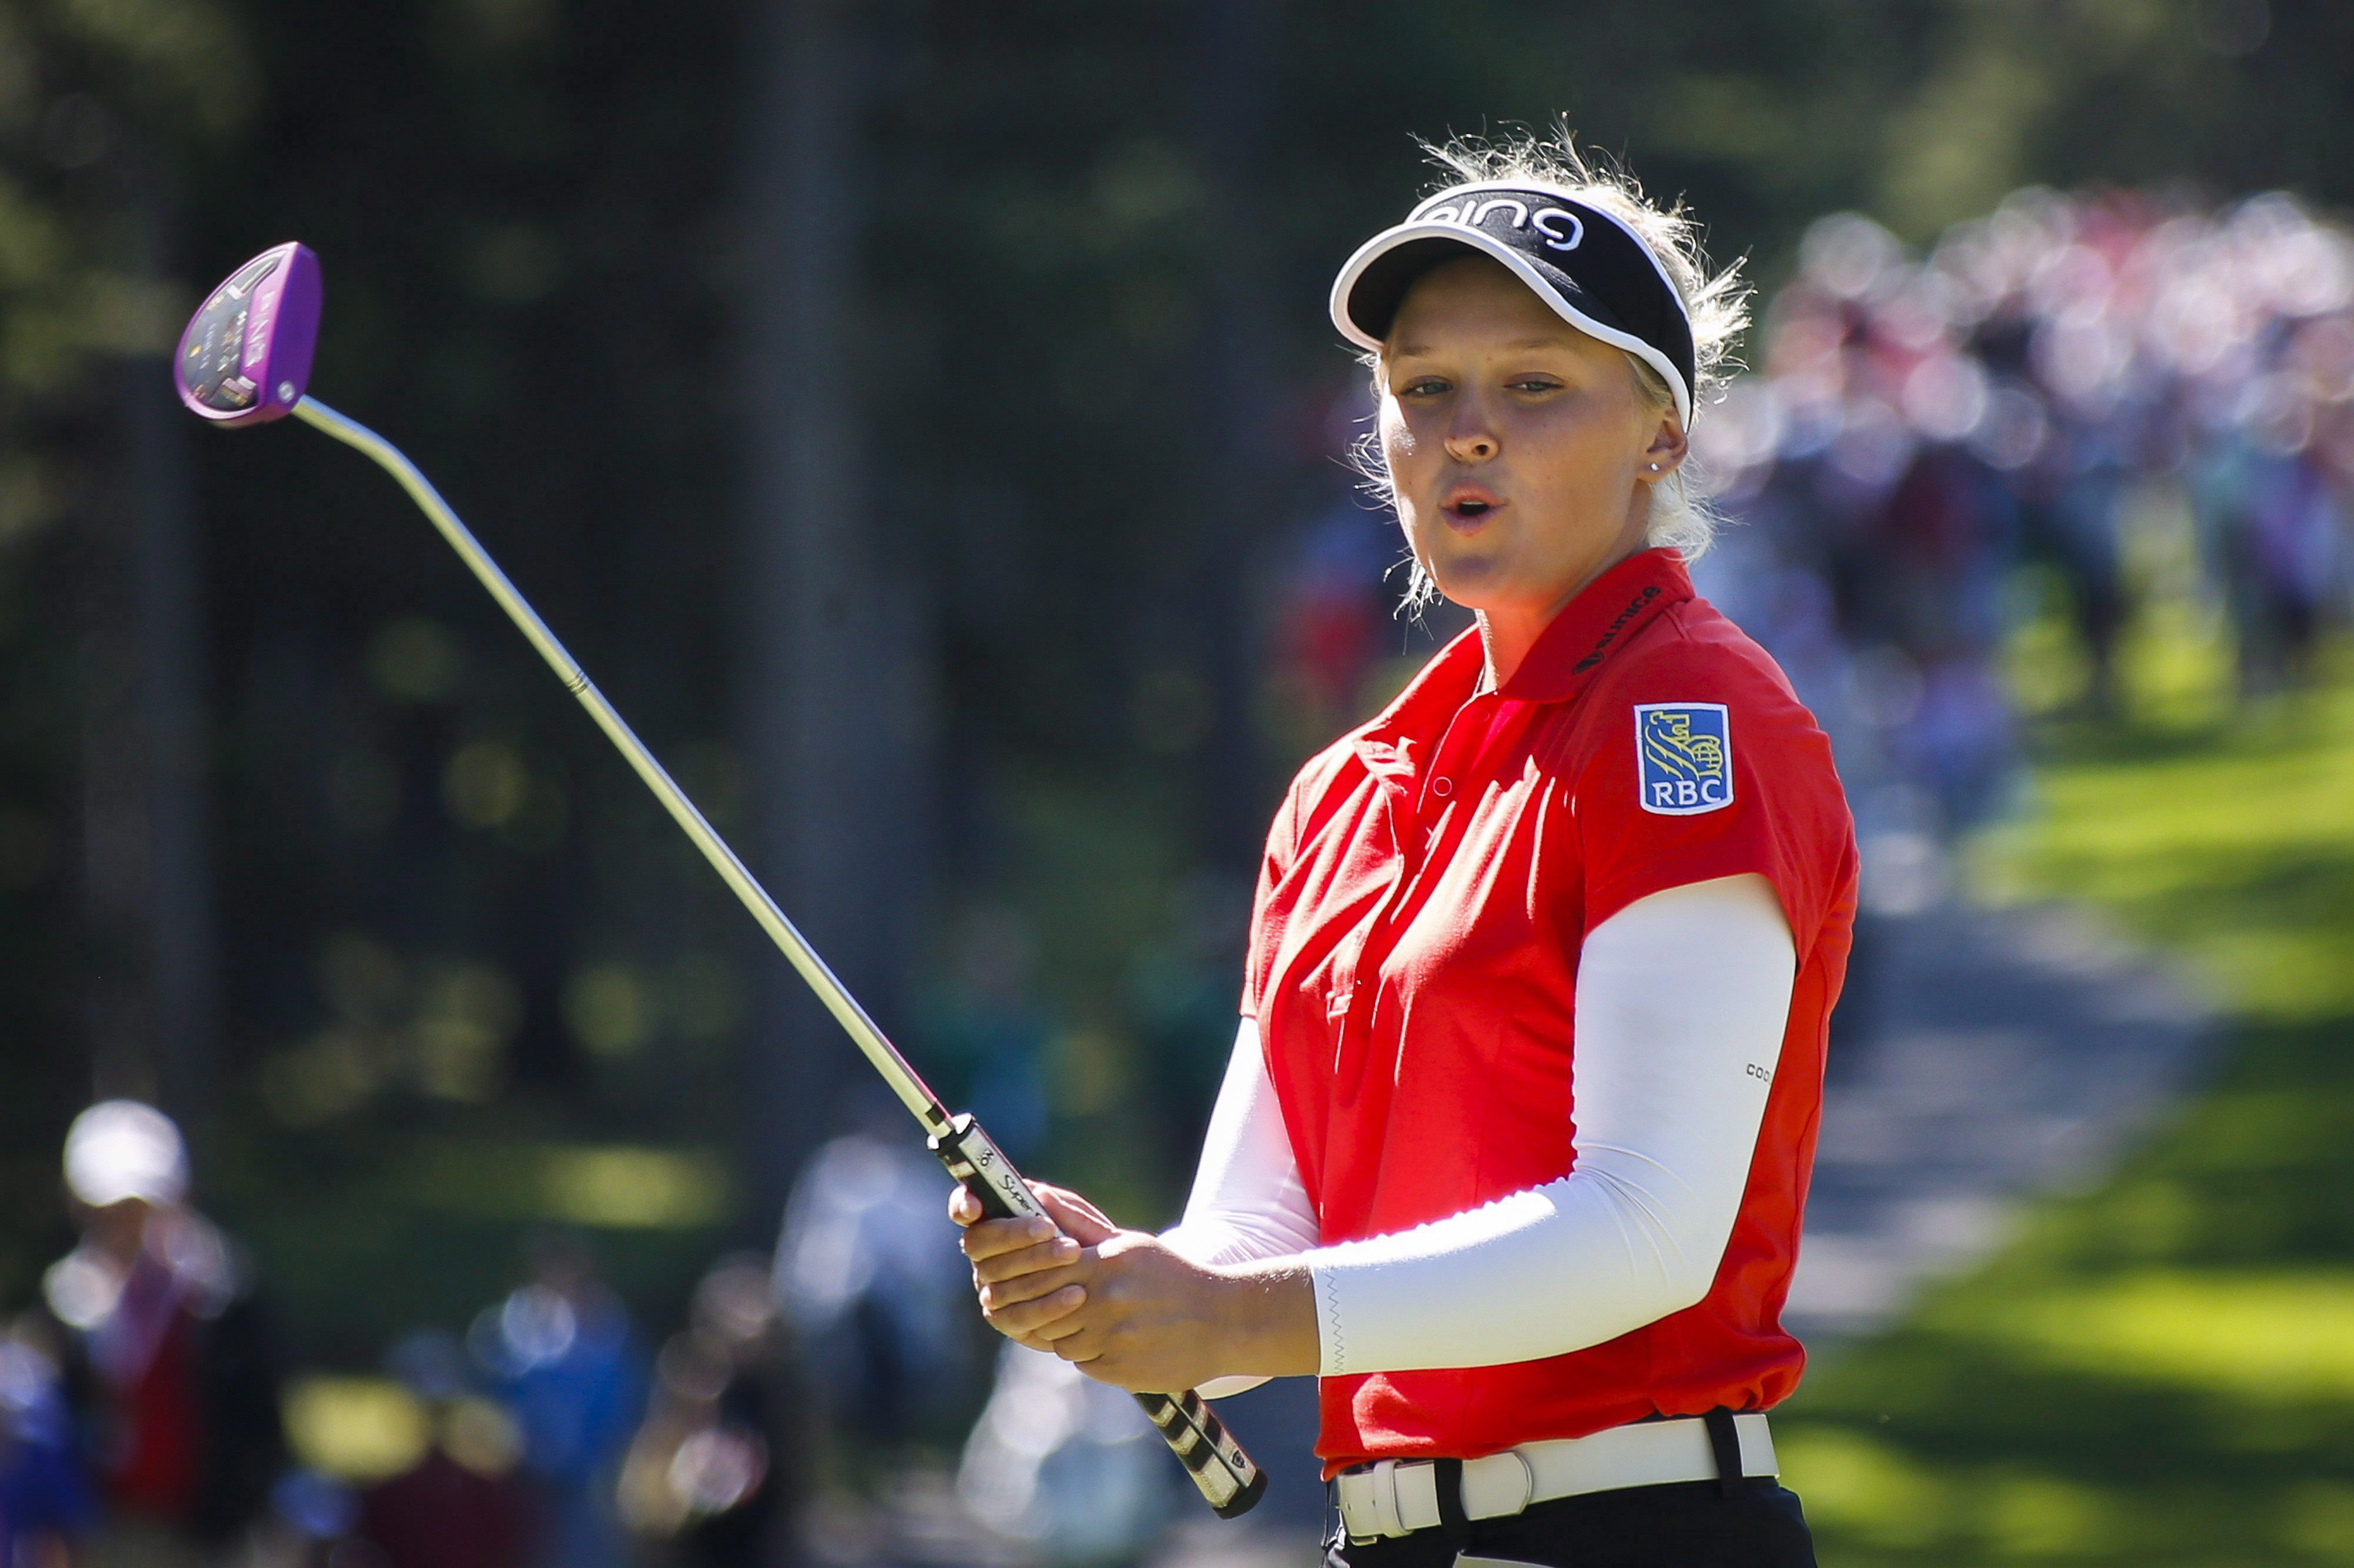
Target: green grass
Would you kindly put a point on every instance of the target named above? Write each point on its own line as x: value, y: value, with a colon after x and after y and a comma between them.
x: 392, y: 1229
x: 2161, y: 1370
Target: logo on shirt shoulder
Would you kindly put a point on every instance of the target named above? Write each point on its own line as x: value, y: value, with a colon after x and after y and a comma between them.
x: 1683, y: 757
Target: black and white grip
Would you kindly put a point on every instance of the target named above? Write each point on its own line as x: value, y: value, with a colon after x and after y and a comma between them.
x: 1229, y: 1479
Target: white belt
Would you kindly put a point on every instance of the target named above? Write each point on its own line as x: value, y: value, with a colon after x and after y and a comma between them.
x: 1395, y: 1497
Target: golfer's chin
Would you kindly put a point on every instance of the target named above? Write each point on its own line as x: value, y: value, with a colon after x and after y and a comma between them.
x: 1486, y: 582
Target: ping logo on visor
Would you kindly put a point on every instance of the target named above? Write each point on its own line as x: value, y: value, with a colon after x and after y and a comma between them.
x: 1559, y: 229
x: 1683, y: 753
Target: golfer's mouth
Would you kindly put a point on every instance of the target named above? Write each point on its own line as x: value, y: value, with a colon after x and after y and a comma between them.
x: 1470, y: 506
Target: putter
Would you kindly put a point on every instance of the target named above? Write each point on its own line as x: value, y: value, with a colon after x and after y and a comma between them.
x: 246, y: 360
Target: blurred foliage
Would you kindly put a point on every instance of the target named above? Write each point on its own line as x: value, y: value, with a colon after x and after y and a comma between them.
x: 448, y: 920
x: 2157, y: 1370
x: 86, y: 91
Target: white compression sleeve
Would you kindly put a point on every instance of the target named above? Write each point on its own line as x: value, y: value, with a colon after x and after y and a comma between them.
x: 1247, y: 1201
x: 1682, y: 998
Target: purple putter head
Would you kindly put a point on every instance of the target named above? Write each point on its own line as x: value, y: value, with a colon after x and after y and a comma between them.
x: 246, y: 355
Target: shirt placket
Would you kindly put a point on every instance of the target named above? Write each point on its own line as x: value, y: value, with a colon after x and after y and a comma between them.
x: 1392, y: 774
x: 1421, y: 810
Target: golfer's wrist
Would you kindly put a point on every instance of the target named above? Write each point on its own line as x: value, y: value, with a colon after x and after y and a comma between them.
x: 1263, y: 1315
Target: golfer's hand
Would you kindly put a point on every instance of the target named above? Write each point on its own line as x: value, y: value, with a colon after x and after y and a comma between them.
x: 1119, y: 1304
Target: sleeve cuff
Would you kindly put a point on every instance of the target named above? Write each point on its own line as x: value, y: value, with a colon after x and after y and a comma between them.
x: 1331, y: 1344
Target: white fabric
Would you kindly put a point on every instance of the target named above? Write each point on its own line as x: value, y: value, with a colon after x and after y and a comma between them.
x: 1682, y: 998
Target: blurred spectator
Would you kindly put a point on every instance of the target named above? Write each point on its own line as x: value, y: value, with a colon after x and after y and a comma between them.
x: 45, y: 1506
x: 719, y: 1467
x: 560, y: 1352
x: 985, y: 1030
x: 167, y: 1358
x: 462, y: 1504
x: 2275, y: 516
x: 309, y: 1526
x: 871, y: 1279
x: 1060, y: 1464
x: 1331, y: 633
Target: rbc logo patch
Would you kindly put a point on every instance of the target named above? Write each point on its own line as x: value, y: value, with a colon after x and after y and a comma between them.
x: 1683, y: 754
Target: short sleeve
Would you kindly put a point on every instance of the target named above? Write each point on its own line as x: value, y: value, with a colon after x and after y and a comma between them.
x: 1702, y: 765
x: 1282, y: 843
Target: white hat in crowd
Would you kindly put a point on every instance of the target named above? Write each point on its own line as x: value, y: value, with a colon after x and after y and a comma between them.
x: 120, y: 1150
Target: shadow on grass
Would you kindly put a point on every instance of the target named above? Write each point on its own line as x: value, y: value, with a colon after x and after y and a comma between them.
x: 2161, y: 1371
x: 2158, y: 1372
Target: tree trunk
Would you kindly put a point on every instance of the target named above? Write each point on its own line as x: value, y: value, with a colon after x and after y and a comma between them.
x: 179, y: 901
x: 1238, y: 82
x: 835, y: 662
x: 147, y: 883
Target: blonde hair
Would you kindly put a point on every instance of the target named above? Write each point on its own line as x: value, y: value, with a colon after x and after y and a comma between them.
x: 1716, y: 301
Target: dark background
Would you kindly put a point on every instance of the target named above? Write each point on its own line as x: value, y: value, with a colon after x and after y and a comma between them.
x: 909, y: 414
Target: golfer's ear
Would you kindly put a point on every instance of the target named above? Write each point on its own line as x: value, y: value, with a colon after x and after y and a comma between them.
x: 1668, y: 446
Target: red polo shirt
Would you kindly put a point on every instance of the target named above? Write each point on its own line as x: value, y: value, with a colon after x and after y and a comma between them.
x: 1428, y: 882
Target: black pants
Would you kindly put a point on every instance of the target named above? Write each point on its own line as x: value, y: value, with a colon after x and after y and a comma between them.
x: 1689, y: 1524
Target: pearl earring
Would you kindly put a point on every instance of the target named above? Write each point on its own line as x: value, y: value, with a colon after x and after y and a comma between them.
x: 1655, y: 468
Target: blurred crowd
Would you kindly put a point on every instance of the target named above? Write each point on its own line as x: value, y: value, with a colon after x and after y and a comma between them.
x: 145, y: 1410
x: 2027, y: 423
x: 141, y: 1404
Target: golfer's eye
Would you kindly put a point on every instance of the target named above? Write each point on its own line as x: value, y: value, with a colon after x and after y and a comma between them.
x: 1423, y: 387
x: 1534, y: 383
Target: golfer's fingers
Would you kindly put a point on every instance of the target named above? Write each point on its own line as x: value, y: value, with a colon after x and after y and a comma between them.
x: 987, y: 1238
x: 1023, y: 1320
x: 1079, y: 1345
x: 1057, y: 1335
x: 1013, y: 1265
x: 1026, y: 1288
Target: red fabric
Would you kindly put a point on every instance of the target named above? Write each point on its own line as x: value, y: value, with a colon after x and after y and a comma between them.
x: 154, y: 1471
x: 444, y: 1515
x: 1413, y: 968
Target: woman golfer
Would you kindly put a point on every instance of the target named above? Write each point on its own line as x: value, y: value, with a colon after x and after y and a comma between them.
x: 1513, y: 1147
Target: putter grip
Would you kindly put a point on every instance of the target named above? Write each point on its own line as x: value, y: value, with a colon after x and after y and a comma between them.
x: 1229, y: 1480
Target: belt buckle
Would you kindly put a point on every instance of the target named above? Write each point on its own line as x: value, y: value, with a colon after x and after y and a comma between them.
x: 1498, y: 1486
x: 1366, y: 1489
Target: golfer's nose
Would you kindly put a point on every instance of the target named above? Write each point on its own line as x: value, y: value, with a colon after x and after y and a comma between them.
x: 1471, y: 432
